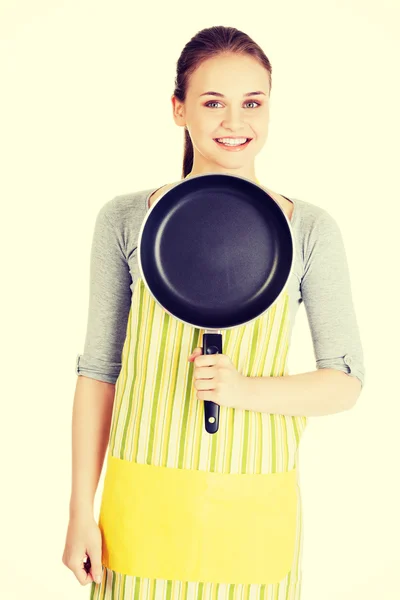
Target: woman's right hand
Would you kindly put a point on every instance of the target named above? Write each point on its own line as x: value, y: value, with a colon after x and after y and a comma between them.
x: 83, y: 539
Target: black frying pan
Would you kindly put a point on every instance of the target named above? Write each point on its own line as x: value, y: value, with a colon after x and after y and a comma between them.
x: 215, y: 252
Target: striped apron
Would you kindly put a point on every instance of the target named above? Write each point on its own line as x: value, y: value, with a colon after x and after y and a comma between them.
x: 189, y: 515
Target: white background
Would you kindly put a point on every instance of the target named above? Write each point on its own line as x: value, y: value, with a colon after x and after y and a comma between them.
x: 85, y: 116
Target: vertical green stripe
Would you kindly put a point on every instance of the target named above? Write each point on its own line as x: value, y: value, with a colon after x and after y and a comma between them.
x: 153, y: 588
x: 123, y: 585
x: 107, y: 575
x: 200, y: 590
x: 170, y: 398
x: 137, y: 588
x: 246, y: 416
x: 233, y: 423
x: 185, y: 586
x: 265, y: 366
x: 254, y: 343
x: 113, y: 580
x: 214, y: 444
x: 129, y: 411
x: 285, y: 449
x: 260, y: 442
x: 296, y: 431
x: 247, y: 593
x: 245, y: 452
x: 121, y: 382
x: 231, y: 591
x: 281, y: 329
x: 183, y: 425
x: 147, y: 373
x: 156, y: 398
x: 273, y: 443
x: 229, y: 449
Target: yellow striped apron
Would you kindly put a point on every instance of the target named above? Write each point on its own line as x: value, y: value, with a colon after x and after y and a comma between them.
x: 181, y: 507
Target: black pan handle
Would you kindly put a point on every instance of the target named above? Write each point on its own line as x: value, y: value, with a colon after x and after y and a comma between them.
x: 212, y: 344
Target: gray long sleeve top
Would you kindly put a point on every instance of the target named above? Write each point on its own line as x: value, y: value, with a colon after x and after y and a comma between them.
x: 320, y: 278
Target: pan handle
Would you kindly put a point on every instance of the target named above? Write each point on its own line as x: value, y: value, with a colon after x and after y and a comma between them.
x: 212, y: 344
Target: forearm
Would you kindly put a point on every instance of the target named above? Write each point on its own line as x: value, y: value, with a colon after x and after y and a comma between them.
x: 91, y: 420
x: 317, y: 393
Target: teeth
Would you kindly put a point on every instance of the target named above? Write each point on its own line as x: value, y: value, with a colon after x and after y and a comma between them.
x: 232, y: 141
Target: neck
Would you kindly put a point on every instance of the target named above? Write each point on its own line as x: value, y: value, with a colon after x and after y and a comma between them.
x: 193, y: 174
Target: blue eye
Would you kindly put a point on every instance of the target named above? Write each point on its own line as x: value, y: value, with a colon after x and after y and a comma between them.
x: 215, y: 102
x: 253, y: 102
x: 211, y: 102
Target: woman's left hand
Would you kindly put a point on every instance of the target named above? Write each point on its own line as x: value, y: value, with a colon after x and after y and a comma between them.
x: 216, y: 379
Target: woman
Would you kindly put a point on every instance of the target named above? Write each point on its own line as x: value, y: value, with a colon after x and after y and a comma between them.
x: 182, y: 513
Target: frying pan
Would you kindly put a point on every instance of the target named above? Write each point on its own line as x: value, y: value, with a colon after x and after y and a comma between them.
x: 215, y: 252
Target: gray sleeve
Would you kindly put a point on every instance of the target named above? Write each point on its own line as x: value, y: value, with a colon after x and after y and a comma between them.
x: 109, y: 302
x: 327, y: 296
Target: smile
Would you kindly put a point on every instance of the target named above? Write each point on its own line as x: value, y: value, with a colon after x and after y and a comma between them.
x: 233, y: 147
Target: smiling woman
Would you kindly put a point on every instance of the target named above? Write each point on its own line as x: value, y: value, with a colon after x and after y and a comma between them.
x: 212, y: 68
x: 185, y: 514
x: 153, y: 540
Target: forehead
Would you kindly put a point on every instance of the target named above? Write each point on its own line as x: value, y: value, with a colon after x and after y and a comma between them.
x: 230, y: 75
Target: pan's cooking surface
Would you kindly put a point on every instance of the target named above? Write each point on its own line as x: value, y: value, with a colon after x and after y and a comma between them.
x: 211, y: 250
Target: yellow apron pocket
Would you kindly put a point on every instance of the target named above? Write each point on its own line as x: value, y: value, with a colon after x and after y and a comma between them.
x: 192, y: 525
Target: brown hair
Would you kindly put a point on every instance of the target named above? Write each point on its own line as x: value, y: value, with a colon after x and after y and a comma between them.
x: 209, y: 43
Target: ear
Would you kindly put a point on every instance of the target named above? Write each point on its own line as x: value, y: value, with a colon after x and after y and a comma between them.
x: 178, y: 112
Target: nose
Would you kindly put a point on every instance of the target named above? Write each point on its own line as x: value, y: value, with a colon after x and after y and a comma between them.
x: 233, y: 120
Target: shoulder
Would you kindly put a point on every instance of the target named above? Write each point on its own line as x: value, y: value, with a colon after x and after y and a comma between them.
x: 317, y: 234
x: 312, y: 216
x: 131, y: 205
x: 120, y: 218
x: 313, y: 224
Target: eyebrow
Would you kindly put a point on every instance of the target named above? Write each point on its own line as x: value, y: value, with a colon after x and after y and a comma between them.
x: 259, y: 93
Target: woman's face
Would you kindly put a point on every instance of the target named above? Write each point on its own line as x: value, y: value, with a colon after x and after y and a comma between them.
x: 235, y: 114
